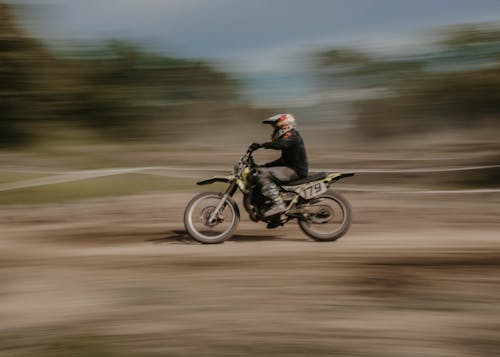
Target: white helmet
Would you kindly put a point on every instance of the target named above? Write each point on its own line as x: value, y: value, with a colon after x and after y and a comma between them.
x: 282, y: 123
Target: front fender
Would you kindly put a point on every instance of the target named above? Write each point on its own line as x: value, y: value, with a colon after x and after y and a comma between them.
x: 215, y: 179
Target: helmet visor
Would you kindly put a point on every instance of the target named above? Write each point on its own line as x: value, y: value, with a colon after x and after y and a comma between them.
x: 269, y: 121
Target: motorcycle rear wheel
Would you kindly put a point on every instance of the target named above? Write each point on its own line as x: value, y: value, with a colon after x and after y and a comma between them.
x: 198, y: 212
x: 333, y: 215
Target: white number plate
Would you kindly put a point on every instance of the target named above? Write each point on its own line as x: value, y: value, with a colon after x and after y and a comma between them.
x: 313, y: 190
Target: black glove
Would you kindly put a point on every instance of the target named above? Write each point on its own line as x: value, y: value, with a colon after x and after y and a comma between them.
x: 254, y: 146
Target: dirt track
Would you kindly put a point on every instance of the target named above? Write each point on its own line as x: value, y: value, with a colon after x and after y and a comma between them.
x: 413, y: 277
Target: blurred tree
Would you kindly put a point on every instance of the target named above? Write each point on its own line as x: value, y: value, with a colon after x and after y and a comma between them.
x: 22, y: 62
x: 120, y: 86
x: 350, y: 67
x: 457, y: 85
x: 116, y: 89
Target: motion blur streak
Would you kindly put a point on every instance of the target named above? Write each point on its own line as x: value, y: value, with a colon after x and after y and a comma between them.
x: 102, y: 140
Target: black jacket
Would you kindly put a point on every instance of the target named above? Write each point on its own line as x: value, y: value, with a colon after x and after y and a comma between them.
x: 293, y: 152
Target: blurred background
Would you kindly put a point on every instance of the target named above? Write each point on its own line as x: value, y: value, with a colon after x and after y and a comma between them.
x: 111, y: 110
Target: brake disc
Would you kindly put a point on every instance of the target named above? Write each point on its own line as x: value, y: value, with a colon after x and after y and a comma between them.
x: 205, y: 217
x: 321, y: 214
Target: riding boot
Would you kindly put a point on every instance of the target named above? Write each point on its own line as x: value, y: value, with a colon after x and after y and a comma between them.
x: 271, y: 191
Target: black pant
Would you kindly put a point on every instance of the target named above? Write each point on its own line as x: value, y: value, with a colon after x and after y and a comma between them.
x: 268, y: 175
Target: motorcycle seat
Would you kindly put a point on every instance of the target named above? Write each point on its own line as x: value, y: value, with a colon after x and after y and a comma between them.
x: 314, y: 177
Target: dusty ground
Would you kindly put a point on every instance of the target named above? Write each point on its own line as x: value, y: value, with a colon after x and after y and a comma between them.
x: 415, y: 276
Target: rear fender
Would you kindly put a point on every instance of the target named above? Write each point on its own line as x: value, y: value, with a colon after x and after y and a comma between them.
x: 336, y: 176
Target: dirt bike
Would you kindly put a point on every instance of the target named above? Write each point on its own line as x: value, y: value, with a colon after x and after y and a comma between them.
x: 322, y: 214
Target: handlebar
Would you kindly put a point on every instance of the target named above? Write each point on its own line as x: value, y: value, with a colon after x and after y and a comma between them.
x: 254, y: 147
x: 248, y: 154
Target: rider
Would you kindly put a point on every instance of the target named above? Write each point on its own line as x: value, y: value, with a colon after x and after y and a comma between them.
x: 292, y: 165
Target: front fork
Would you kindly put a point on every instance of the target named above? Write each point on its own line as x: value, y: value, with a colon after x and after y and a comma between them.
x: 231, y: 190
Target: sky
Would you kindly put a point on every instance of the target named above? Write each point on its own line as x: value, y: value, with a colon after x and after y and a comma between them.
x: 232, y: 28
x: 256, y: 36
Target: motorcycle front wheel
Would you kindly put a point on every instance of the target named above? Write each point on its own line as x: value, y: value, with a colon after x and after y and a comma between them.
x: 199, y: 225
x: 328, y: 217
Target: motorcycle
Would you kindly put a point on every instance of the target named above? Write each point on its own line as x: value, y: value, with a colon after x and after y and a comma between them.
x: 322, y: 214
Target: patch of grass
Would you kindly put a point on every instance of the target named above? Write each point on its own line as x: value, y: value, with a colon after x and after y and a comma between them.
x: 84, y: 152
x: 7, y: 177
x: 117, y: 185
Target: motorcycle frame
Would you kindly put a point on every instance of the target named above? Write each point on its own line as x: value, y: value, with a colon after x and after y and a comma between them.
x: 239, y: 179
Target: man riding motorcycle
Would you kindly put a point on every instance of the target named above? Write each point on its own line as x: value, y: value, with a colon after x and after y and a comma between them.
x: 292, y: 165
